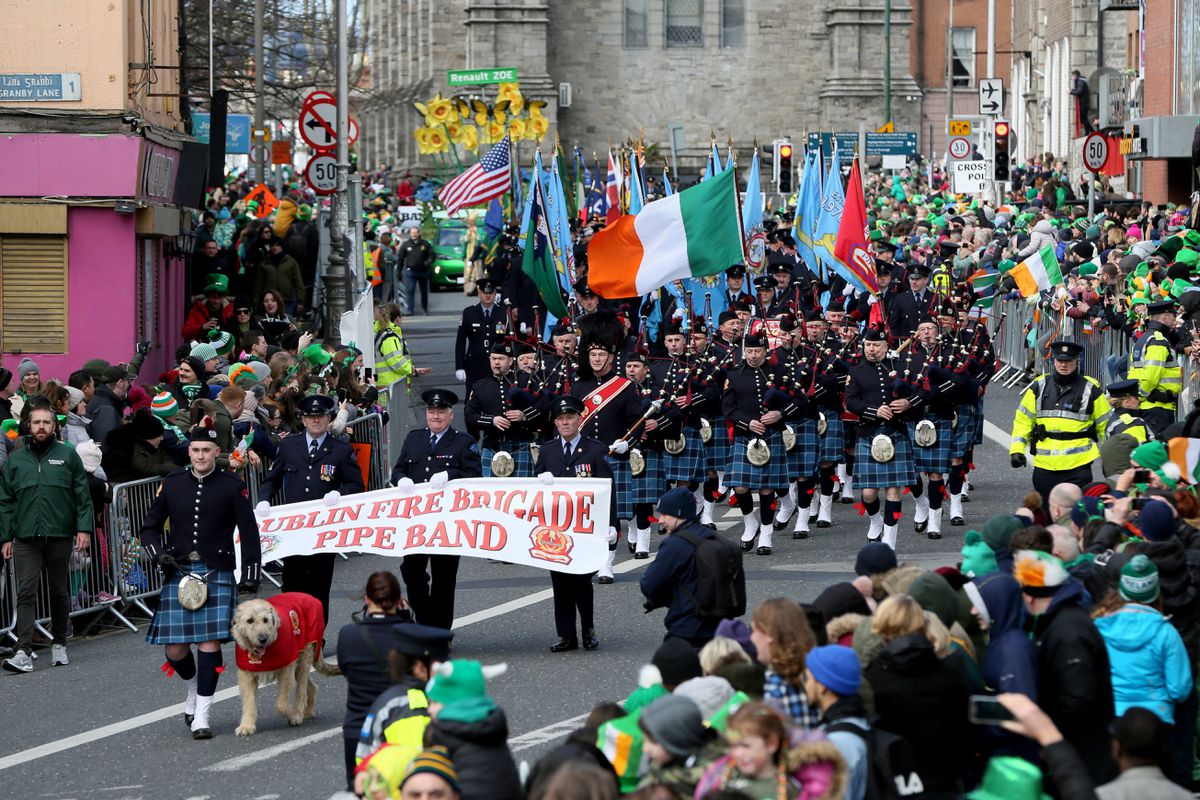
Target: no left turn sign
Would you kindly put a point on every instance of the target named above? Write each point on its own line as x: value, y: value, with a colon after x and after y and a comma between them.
x: 318, y: 123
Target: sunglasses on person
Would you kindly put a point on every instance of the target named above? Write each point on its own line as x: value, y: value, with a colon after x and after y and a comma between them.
x: 242, y: 310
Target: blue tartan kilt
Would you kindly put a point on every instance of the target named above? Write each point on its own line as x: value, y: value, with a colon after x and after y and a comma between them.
x: 717, y: 451
x: 872, y: 474
x: 522, y: 461
x: 652, y: 483
x: 772, y: 475
x: 690, y: 464
x: 833, y: 443
x: 978, y: 437
x: 174, y: 624
x: 936, y: 457
x: 802, y: 459
x: 622, y: 485
x: 964, y: 432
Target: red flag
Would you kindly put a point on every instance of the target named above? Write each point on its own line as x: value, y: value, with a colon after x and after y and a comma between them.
x: 852, y: 242
x: 613, y: 191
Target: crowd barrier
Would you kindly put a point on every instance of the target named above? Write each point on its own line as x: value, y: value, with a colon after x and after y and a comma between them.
x: 1022, y: 339
x: 115, y: 579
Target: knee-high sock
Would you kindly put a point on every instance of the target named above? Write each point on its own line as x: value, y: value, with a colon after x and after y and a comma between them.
x: 693, y: 485
x: 871, y: 507
x: 710, y: 488
x: 745, y: 502
x: 825, y: 475
x: 207, y: 674
x: 849, y: 463
x: 184, y: 667
x: 642, y: 513
x: 804, y: 492
x: 935, y: 493
x: 766, y: 507
x: 957, y: 473
x: 917, y: 488
x: 891, y: 511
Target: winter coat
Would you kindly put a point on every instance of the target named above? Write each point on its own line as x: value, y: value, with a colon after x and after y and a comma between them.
x: 365, y: 669
x: 1142, y: 783
x: 283, y: 277
x: 479, y: 750
x: 200, y: 313
x: 923, y: 699
x: 672, y: 580
x: 44, y: 494
x: 106, y: 411
x: 1010, y: 662
x: 1150, y: 666
x: 1178, y: 562
x: 1074, y: 677
x: 1041, y: 235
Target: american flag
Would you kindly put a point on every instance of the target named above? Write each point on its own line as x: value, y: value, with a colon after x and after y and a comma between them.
x: 488, y: 179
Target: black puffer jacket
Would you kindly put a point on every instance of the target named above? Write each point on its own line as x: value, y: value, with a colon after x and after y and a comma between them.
x: 479, y: 750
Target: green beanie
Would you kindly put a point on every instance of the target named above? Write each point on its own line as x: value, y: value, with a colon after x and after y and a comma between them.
x: 460, y: 686
x: 96, y: 367
x: 998, y: 531
x: 977, y: 558
x: 1139, y: 580
x: 1151, y: 455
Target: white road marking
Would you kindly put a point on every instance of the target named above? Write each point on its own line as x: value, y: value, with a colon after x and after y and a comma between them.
x: 997, y: 435
x: 267, y: 753
x: 545, y: 734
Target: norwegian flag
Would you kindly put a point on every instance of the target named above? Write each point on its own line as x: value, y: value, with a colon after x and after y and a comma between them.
x: 613, y: 191
x: 483, y: 182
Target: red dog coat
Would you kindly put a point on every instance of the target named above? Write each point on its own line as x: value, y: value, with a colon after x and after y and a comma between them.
x: 301, y: 622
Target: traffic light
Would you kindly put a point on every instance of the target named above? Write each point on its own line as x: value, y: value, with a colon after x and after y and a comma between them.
x: 1000, y: 132
x: 784, y: 154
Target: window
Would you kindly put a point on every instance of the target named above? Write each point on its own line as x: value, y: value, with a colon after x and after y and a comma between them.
x: 733, y: 23
x: 635, y: 23
x: 146, y: 289
x: 962, y: 44
x: 685, y: 23
x: 33, y: 293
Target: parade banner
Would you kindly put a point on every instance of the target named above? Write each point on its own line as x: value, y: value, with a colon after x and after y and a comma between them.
x: 561, y: 527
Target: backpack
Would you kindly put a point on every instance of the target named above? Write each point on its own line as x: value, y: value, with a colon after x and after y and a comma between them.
x: 892, y: 767
x: 720, y: 580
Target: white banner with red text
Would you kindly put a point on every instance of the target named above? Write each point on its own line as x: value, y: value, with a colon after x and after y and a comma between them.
x: 561, y: 527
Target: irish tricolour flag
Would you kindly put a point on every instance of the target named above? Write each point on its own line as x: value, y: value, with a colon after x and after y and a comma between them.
x: 1037, y: 273
x: 1185, y: 453
x: 693, y: 233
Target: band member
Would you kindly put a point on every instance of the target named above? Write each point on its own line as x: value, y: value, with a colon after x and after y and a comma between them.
x: 314, y: 466
x: 434, y: 454
x: 506, y: 410
x: 725, y: 353
x: 570, y: 454
x: 976, y: 371
x: 882, y: 403
x: 649, y: 484
x: 561, y: 367
x: 755, y: 402
x: 929, y: 366
x: 848, y: 346
x: 820, y: 333
x: 481, y: 326
x: 199, y: 506
x: 764, y: 298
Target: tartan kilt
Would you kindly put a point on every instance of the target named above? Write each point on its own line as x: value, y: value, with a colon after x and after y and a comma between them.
x: 690, y: 464
x: 936, y: 457
x: 651, y: 484
x: 772, y: 475
x: 833, y: 443
x: 717, y: 451
x: 522, y: 460
x: 978, y: 437
x: 964, y: 432
x: 802, y: 460
x: 173, y: 624
x: 622, y: 486
x: 871, y: 474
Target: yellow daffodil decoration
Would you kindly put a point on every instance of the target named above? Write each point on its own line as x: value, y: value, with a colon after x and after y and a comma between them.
x: 458, y: 122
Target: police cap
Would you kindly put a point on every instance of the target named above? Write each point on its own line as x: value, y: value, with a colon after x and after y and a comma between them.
x: 1161, y: 307
x: 736, y: 271
x: 317, y: 405
x: 764, y: 283
x: 1122, y: 389
x: 439, y: 398
x: 1066, y: 351
x: 567, y: 404
x: 422, y: 641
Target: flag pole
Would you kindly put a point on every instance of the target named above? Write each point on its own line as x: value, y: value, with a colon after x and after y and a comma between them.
x: 737, y: 197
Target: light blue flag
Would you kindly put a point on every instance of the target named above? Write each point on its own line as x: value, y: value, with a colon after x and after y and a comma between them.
x: 667, y: 190
x: 527, y: 211
x: 714, y: 163
x: 752, y: 206
x: 830, y: 220
x: 636, y: 200
x: 808, y: 210
x: 559, y: 216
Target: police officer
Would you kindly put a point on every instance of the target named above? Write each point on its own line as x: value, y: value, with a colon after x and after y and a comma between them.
x: 312, y: 466
x: 434, y: 454
x: 481, y: 326
x: 506, y: 411
x: 200, y: 506
x: 907, y: 309
x: 1061, y: 418
x: 572, y: 455
x: 1126, y: 413
x: 1154, y: 365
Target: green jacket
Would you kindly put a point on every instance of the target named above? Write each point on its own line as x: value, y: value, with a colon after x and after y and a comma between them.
x: 46, y: 496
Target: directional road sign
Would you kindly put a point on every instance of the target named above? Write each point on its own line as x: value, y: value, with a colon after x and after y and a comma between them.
x: 991, y: 96
x: 901, y: 143
x: 321, y: 173
x: 1095, y: 152
x: 318, y: 123
x: 959, y: 148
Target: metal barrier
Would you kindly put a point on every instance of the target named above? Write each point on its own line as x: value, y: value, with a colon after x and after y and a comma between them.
x: 116, y: 577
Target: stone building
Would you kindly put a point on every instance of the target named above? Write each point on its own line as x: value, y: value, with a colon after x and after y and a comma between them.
x: 744, y: 68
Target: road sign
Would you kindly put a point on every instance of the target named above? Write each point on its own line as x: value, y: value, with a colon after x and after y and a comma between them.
x: 315, y: 95
x: 959, y: 127
x: 318, y: 123
x: 968, y: 177
x: 959, y: 148
x: 903, y: 143
x: 353, y: 130
x: 237, y: 131
x: 472, y: 77
x: 1095, y: 152
x: 40, y: 87
x: 887, y: 127
x: 991, y: 96
x: 321, y: 173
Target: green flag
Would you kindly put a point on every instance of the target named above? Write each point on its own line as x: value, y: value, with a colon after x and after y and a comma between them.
x: 540, y: 262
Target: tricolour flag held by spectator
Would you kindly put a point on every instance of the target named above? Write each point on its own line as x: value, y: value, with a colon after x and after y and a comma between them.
x: 1185, y: 453
x: 693, y: 233
x: 1037, y: 273
x: 479, y: 184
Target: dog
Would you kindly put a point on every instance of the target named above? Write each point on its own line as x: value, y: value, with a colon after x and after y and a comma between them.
x: 279, y: 639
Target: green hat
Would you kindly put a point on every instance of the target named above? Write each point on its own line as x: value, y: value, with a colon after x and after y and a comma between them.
x: 876, y: 235
x: 435, y: 761
x: 1139, y: 580
x: 998, y: 531
x: 978, y: 558
x: 1178, y: 287
x: 460, y: 686
x: 304, y: 212
x: 96, y: 368
x: 1030, y: 193
x: 222, y: 341
x: 315, y: 355
x: 217, y: 283
x: 1010, y: 778
x: 203, y: 351
x: 1192, y: 238
x: 1092, y: 232
x: 1088, y: 268
x: 1169, y: 246
x: 1187, y: 256
x: 1151, y: 455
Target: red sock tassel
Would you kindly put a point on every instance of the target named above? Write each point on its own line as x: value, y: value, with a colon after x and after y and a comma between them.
x: 220, y: 669
x: 167, y: 669
x: 861, y: 509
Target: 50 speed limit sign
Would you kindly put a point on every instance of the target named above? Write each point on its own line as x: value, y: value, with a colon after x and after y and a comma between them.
x: 321, y: 173
x: 1095, y: 152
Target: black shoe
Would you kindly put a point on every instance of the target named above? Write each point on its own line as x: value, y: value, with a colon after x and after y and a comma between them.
x: 764, y: 551
x: 632, y: 547
x: 957, y: 522
x: 822, y: 523
x: 712, y: 526
x: 604, y: 580
x: 920, y: 527
x: 799, y: 534
x: 187, y: 719
x: 846, y: 500
x: 641, y: 555
x: 966, y: 498
x: 780, y: 524
x: 202, y: 733
x: 747, y: 546
x: 934, y: 535
x: 565, y: 644
x: 590, y: 642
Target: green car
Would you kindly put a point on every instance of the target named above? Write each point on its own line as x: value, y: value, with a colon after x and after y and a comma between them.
x: 450, y: 253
